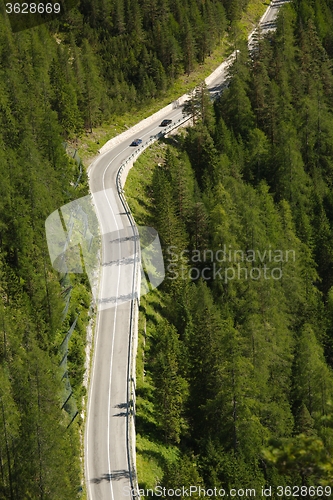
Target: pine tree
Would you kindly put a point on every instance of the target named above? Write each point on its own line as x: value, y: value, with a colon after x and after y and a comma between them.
x: 171, y: 386
x: 93, y: 88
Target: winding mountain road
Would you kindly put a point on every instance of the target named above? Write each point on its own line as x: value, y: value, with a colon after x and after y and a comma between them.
x: 107, y: 451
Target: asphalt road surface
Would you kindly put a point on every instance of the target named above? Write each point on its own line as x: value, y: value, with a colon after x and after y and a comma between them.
x: 106, y: 451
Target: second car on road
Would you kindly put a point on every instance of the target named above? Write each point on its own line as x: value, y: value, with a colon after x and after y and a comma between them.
x: 136, y: 142
x: 165, y: 123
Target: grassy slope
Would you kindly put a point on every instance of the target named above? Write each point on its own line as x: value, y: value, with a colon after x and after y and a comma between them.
x: 151, y: 454
x: 90, y: 143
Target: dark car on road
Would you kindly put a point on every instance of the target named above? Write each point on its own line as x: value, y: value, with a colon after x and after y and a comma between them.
x: 165, y: 123
x: 136, y: 142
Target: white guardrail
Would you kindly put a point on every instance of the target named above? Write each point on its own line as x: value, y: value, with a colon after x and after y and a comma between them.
x: 134, y: 314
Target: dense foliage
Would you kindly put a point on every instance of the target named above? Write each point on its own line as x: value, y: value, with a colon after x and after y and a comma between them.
x: 238, y: 371
x: 39, y: 456
x: 114, y: 54
x: 238, y: 363
x: 57, y: 80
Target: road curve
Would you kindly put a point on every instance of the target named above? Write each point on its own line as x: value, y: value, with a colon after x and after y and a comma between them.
x: 106, y: 442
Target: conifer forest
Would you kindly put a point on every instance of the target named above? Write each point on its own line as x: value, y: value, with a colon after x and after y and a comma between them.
x: 235, y: 358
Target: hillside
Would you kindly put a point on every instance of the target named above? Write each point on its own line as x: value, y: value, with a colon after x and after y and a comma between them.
x: 57, y: 81
x: 235, y: 380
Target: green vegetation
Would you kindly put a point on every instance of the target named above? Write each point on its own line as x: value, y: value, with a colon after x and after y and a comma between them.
x: 59, y: 81
x: 90, y: 143
x: 39, y: 455
x: 234, y: 368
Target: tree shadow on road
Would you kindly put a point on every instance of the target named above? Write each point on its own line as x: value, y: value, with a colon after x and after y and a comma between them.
x: 125, y: 406
x: 115, y: 475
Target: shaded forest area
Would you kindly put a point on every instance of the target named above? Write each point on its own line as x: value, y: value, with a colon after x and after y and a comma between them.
x: 56, y: 80
x: 39, y: 456
x: 235, y: 376
x: 113, y: 54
